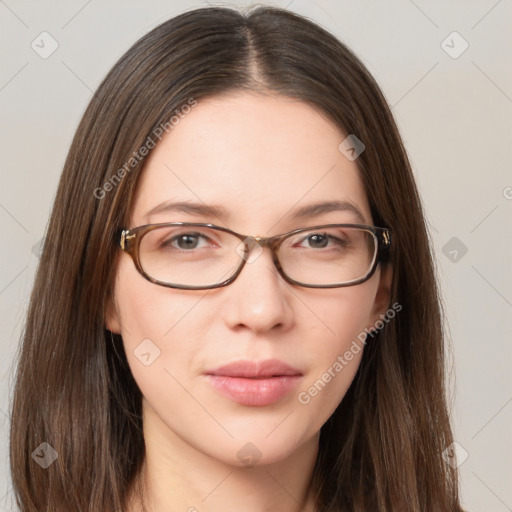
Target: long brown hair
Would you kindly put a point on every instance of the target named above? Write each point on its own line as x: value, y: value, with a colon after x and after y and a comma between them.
x: 382, y: 448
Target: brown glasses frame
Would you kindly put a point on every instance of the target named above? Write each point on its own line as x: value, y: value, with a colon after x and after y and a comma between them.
x: 129, y: 241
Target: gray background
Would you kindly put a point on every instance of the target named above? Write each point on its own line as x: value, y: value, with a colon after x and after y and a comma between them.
x: 454, y: 115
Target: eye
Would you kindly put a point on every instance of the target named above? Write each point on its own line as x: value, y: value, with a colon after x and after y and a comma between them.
x: 318, y: 240
x: 185, y: 241
x: 321, y: 241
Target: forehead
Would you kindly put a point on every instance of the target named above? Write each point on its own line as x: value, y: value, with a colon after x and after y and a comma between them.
x: 258, y: 157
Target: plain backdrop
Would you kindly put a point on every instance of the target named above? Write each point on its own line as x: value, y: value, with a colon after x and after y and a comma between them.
x: 451, y: 94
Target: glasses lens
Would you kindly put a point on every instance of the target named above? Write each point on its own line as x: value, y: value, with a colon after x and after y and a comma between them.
x: 189, y: 255
x: 328, y: 256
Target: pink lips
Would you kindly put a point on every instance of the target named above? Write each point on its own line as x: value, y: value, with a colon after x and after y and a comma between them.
x: 255, y: 383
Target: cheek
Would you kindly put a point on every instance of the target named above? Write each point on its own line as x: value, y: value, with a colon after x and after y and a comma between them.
x: 157, y: 325
x: 341, y: 317
x: 337, y: 351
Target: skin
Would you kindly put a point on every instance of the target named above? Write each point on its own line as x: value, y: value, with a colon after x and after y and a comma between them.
x: 260, y: 156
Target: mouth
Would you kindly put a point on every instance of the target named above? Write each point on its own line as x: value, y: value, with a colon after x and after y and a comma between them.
x: 255, y: 383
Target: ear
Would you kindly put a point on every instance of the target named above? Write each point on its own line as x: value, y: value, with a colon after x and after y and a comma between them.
x: 383, y: 295
x: 112, y: 319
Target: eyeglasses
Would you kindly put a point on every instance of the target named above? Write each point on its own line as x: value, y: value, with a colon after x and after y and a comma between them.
x: 198, y: 256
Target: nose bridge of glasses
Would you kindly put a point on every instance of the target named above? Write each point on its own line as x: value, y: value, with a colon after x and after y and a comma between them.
x: 252, y: 247
x: 261, y: 242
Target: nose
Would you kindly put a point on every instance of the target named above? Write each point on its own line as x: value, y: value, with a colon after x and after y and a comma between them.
x: 259, y: 298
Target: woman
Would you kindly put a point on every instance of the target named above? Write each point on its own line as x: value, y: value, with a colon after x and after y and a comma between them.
x: 236, y: 305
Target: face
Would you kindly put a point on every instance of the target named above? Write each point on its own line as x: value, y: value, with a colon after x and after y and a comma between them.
x: 260, y: 158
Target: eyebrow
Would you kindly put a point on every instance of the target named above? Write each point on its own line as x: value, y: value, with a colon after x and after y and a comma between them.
x: 314, y: 210
x: 221, y: 213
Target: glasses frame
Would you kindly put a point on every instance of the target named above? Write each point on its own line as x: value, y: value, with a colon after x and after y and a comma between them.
x: 129, y: 241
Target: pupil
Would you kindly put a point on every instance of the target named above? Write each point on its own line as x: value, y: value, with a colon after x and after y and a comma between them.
x: 187, y: 241
x: 318, y: 240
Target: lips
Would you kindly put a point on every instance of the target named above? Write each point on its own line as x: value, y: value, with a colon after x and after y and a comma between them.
x: 255, y: 383
x: 255, y: 369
